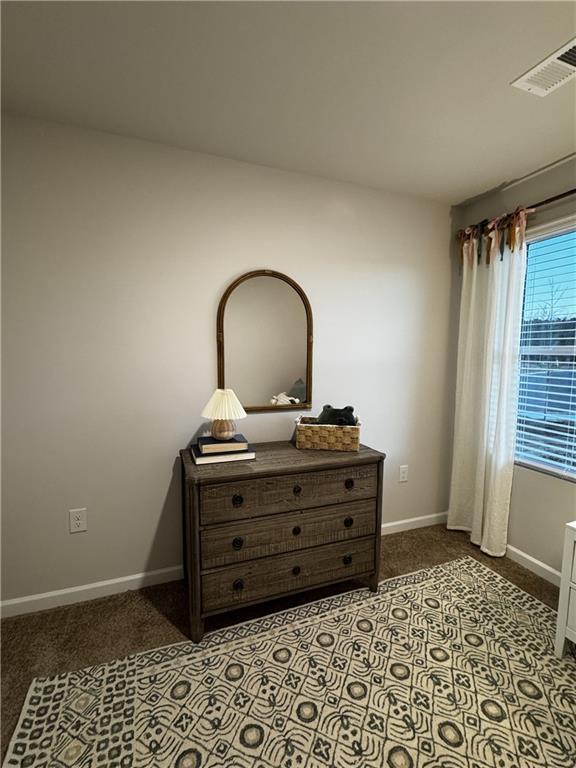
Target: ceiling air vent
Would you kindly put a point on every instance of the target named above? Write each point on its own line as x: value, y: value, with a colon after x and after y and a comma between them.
x: 551, y: 73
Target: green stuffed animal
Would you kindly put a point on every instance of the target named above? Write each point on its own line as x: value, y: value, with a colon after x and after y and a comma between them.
x: 340, y: 417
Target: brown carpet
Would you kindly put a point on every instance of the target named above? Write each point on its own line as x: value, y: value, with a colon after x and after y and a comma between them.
x: 76, y: 636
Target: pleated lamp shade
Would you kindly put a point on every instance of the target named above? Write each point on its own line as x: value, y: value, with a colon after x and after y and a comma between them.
x: 223, y: 405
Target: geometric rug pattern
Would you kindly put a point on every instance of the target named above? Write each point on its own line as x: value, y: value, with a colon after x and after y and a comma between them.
x: 449, y: 667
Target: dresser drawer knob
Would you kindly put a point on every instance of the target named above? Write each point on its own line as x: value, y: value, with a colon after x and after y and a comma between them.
x: 237, y: 500
x: 237, y: 542
x: 349, y: 484
x: 296, y: 570
x: 296, y: 531
x: 347, y: 559
x: 297, y: 490
x: 238, y: 585
x: 348, y: 522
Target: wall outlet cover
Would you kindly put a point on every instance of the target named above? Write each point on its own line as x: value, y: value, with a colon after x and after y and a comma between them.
x: 78, y: 520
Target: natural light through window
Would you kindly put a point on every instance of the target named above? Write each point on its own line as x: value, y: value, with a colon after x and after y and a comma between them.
x: 547, y: 405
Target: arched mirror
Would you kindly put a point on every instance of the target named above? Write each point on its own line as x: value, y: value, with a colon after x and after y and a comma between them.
x: 264, y: 339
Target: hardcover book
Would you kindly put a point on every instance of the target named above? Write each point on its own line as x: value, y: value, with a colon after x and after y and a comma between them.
x: 211, y: 445
x: 214, y: 458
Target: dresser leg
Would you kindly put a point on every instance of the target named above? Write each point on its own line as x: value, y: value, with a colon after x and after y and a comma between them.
x: 560, y: 645
x: 196, y: 629
x: 373, y: 583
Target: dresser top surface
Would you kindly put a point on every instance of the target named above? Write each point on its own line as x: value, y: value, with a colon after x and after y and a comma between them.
x: 275, y: 459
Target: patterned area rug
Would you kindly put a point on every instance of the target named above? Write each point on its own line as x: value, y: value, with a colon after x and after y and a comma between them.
x: 450, y: 667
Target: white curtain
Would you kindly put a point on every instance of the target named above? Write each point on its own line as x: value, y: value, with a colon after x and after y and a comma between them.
x: 487, y: 388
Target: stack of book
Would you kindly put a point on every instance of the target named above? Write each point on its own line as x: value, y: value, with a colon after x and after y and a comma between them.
x: 208, y: 450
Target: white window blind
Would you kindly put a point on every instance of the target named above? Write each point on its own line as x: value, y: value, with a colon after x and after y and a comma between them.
x: 547, y: 404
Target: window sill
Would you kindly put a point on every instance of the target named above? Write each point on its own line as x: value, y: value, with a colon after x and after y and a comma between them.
x: 570, y: 478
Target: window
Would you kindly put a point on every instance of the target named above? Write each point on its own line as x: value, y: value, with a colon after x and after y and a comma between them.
x: 546, y: 434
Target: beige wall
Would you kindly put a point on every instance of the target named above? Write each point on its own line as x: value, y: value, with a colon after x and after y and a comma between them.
x: 116, y: 252
x: 541, y: 505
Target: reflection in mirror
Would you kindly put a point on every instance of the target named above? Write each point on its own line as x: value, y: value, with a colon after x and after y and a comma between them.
x: 266, y: 335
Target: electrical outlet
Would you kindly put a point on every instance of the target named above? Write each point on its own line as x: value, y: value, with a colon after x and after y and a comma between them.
x: 78, y: 520
x: 403, y: 476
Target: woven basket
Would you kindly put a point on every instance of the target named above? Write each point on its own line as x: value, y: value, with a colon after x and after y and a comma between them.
x: 326, y: 437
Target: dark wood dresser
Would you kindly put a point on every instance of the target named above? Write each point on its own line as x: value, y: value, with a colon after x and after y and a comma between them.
x: 288, y: 521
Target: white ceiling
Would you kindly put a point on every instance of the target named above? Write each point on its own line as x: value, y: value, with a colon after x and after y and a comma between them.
x: 411, y: 97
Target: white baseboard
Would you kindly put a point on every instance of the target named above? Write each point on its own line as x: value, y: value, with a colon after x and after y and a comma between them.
x: 46, y: 600
x: 536, y: 566
x: 414, y: 522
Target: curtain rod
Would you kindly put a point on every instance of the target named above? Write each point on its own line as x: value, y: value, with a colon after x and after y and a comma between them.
x: 504, y: 220
x: 553, y: 199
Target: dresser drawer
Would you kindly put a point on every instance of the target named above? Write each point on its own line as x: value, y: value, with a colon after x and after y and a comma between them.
x: 573, y: 577
x: 267, y: 496
x: 281, y: 574
x: 247, y: 540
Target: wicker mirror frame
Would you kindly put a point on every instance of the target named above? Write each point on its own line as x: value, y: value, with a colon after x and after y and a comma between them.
x: 306, y: 406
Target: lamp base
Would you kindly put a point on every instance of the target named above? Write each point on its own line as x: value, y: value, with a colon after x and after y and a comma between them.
x: 223, y: 429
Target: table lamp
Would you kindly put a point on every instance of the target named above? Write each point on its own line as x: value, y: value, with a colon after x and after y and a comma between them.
x: 223, y: 408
